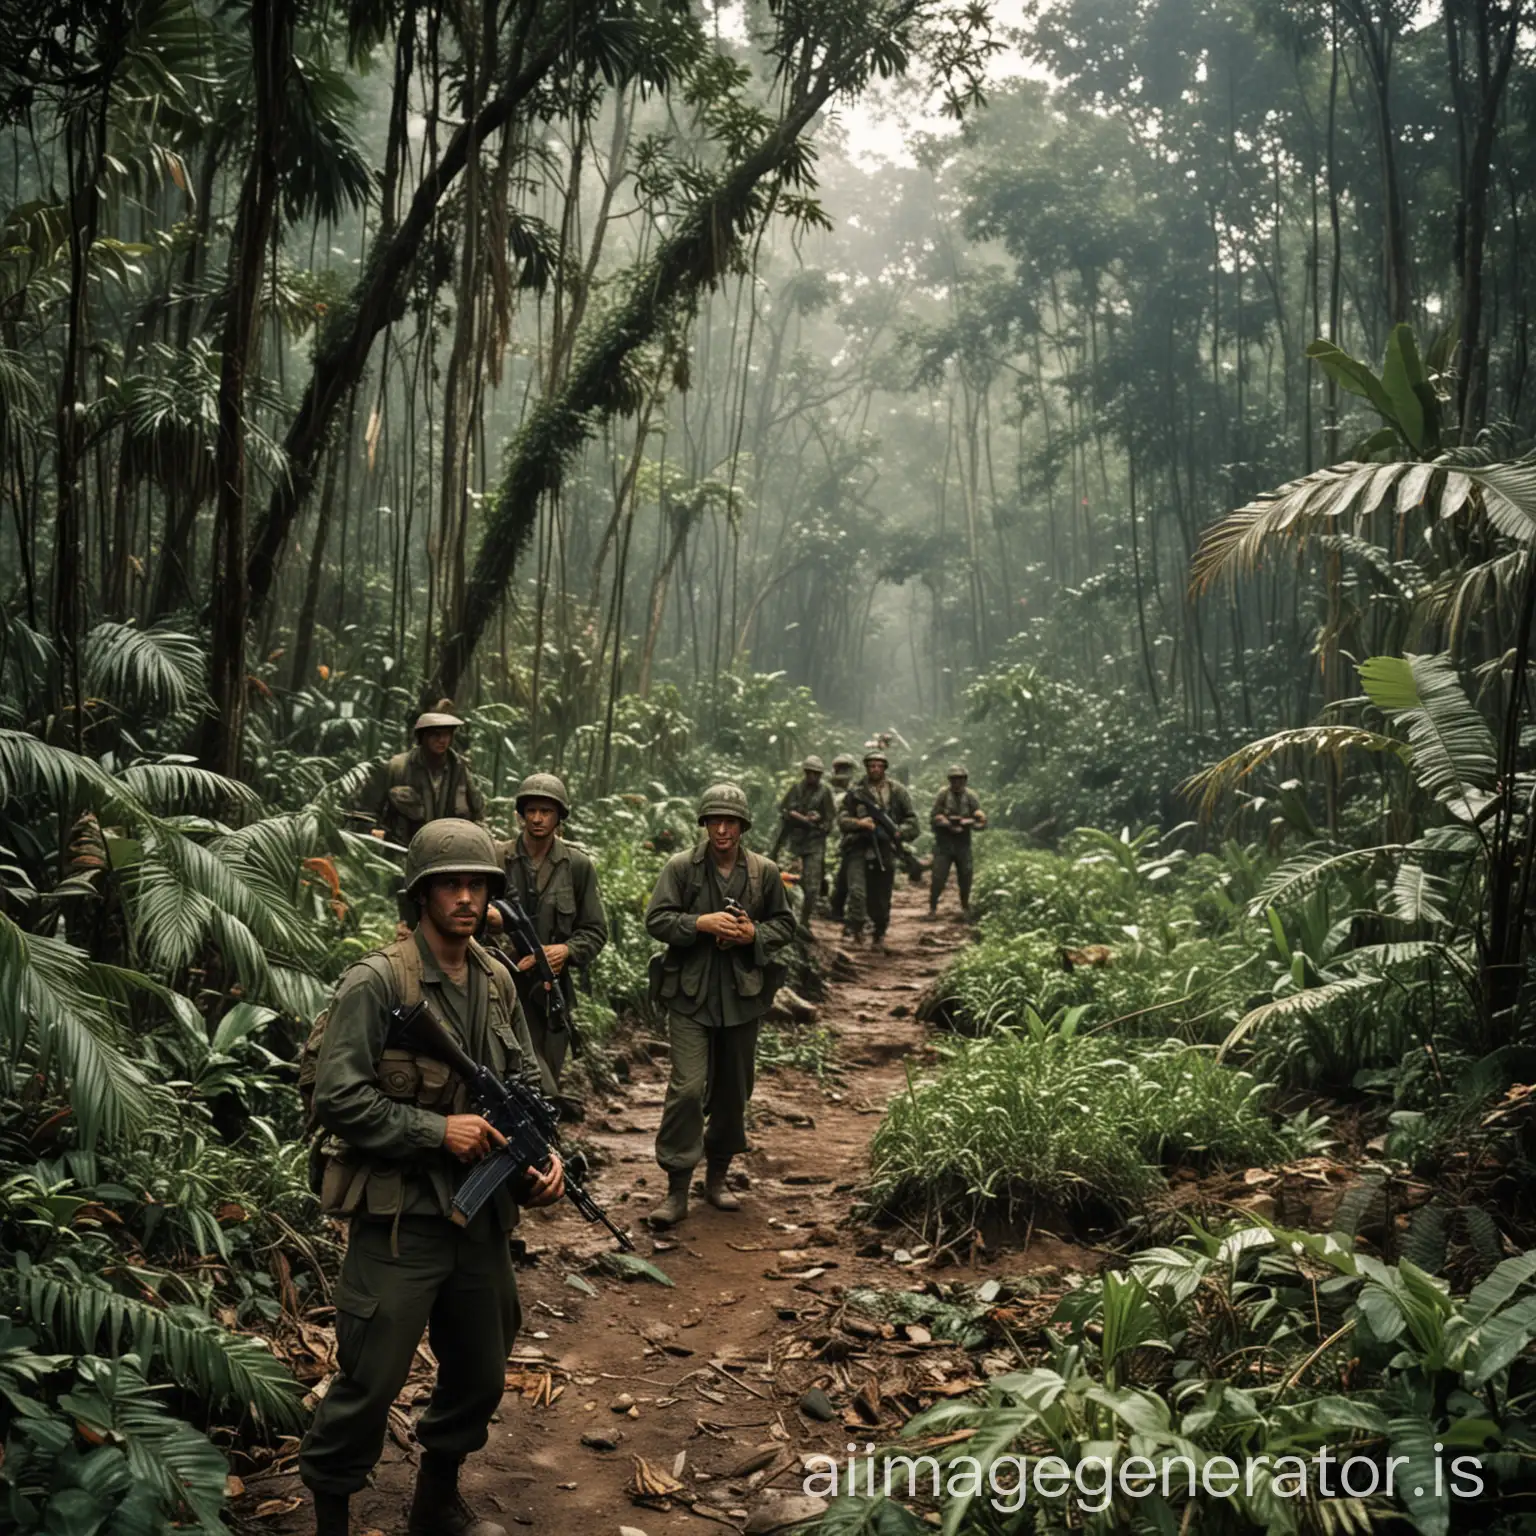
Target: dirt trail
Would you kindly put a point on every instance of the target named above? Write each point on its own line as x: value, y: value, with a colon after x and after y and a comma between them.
x: 722, y: 1371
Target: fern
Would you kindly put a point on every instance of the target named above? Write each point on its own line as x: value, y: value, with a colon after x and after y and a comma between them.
x: 1312, y: 868
x: 1328, y: 741
x: 230, y: 1370
x: 1294, y: 1004
x: 1362, y: 1197
x: 1428, y: 1238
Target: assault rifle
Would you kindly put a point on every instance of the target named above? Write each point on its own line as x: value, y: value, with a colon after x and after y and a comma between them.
x: 518, y: 926
x: 523, y: 1115
x: 884, y: 826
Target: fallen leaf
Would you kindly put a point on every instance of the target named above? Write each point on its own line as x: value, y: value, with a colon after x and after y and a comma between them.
x: 270, y: 1508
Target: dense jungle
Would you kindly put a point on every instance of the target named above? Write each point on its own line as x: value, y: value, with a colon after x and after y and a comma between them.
x: 1118, y: 411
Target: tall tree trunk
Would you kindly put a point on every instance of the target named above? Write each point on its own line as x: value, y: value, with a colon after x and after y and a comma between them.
x: 272, y: 23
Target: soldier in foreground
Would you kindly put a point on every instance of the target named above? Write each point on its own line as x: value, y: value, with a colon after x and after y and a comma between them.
x: 399, y: 1145
x: 956, y: 814
x: 556, y: 884
x: 871, y: 852
x: 722, y: 913
x: 808, y: 811
x: 842, y: 776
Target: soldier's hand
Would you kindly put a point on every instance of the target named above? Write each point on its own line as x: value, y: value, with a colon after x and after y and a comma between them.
x: 526, y: 963
x: 546, y: 1188
x: 471, y: 1137
x: 493, y: 919
x: 557, y: 955
x: 745, y: 931
x: 865, y: 823
x: 377, y: 832
x: 717, y: 923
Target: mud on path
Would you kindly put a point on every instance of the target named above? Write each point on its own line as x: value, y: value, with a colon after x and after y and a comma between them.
x: 703, y: 1380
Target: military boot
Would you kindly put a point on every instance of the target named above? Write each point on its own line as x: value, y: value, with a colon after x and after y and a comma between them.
x: 331, y: 1514
x: 438, y: 1509
x: 716, y: 1191
x: 675, y: 1206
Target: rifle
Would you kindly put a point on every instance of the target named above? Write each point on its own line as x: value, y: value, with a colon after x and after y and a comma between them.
x: 884, y: 826
x: 518, y: 926
x: 523, y: 1115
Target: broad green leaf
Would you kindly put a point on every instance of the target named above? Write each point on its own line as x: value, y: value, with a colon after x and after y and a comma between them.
x: 1401, y: 371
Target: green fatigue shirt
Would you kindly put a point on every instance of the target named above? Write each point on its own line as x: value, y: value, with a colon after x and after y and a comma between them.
x: 405, y: 795
x: 893, y: 799
x: 946, y: 839
x: 562, y: 898
x: 717, y: 986
x: 386, y: 1109
x: 798, y: 837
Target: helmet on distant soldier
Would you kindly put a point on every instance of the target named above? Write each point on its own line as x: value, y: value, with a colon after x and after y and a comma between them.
x: 439, y: 718
x: 957, y: 771
x: 813, y: 764
x: 725, y: 800
x: 544, y: 786
x: 453, y: 846
x: 844, y: 760
x: 876, y: 755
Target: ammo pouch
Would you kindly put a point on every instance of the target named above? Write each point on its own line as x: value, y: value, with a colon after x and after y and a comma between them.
x: 407, y: 800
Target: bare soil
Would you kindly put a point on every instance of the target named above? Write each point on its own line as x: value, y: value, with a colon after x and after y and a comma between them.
x: 702, y: 1380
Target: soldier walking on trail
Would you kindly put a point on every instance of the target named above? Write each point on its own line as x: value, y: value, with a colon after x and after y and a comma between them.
x: 722, y: 913
x: 808, y: 812
x: 556, y: 884
x: 870, y: 854
x: 427, y: 783
x: 842, y: 776
x: 956, y: 814
x: 399, y: 1143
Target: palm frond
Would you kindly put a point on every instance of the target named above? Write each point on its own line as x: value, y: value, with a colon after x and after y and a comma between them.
x: 179, y: 788
x: 1415, y: 896
x: 47, y: 1006
x: 1312, y: 867
x: 150, y: 669
x: 1453, y: 748
x: 231, y: 1370
x: 1377, y: 958
x: 1331, y: 741
x: 1509, y: 497
x: 29, y: 765
x: 1295, y: 1004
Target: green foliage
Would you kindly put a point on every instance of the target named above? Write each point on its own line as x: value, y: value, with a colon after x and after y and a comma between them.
x: 1016, y: 1119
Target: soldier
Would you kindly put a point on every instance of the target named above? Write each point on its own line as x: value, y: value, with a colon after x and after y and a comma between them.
x: 428, y: 782
x: 807, y: 812
x: 557, y: 886
x: 908, y: 860
x: 400, y: 1141
x: 956, y: 813
x: 722, y: 913
x: 842, y: 776
x: 870, y: 857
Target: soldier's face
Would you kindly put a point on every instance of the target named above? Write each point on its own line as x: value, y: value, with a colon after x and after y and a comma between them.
x: 540, y: 817
x: 875, y: 770
x: 812, y: 777
x: 455, y: 904
x: 957, y: 782
x: 724, y: 833
x: 437, y: 740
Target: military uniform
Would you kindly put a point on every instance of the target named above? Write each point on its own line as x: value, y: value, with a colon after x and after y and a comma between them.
x: 407, y: 794
x: 408, y: 1266
x: 842, y: 776
x: 560, y: 894
x: 952, y: 845
x: 714, y: 998
x: 809, y: 843
x: 869, y: 885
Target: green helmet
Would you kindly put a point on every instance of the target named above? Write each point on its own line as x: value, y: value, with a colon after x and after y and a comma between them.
x: 436, y: 720
x: 813, y: 764
x: 876, y: 755
x: 844, y: 761
x: 725, y: 800
x: 453, y: 846
x: 544, y: 786
x: 957, y: 771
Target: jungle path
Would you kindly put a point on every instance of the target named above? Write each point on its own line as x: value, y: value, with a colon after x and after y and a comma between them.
x: 703, y: 1380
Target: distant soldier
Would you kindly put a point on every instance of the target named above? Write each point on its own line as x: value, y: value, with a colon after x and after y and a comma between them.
x: 872, y: 854
x: 807, y: 813
x: 842, y: 776
x: 909, y: 861
x: 401, y: 1138
x: 427, y: 783
x: 956, y: 814
x: 556, y: 884
x: 722, y: 913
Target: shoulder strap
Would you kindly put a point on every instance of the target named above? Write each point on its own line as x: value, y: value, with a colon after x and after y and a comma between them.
x: 755, y: 871
x: 404, y: 970
x: 397, y: 766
